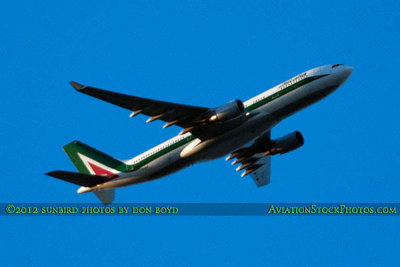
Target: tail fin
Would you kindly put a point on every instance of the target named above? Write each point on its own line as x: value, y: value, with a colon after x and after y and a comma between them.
x: 88, y: 160
x: 94, y: 167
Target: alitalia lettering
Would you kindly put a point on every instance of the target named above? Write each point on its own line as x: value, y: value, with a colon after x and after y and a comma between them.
x: 293, y: 81
x: 283, y: 89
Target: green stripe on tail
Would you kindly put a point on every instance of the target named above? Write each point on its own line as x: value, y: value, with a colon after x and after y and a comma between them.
x: 75, y: 147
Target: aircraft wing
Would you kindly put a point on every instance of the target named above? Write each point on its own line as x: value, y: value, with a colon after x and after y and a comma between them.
x: 253, y: 162
x: 184, y: 116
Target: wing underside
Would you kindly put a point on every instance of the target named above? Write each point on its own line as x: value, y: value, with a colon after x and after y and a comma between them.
x: 252, y: 162
x: 185, y: 116
x: 262, y: 175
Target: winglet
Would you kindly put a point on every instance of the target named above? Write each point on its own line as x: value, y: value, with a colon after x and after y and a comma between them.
x: 76, y: 85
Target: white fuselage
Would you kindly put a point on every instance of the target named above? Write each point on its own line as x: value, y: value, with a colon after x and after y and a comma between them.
x: 264, y: 111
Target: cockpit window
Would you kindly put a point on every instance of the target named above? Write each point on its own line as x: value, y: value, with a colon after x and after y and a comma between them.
x: 336, y: 65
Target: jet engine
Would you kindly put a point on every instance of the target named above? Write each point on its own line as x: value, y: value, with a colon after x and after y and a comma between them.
x: 231, y: 110
x: 285, y: 144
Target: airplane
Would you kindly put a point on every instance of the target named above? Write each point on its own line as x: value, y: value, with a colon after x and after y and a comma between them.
x: 240, y: 129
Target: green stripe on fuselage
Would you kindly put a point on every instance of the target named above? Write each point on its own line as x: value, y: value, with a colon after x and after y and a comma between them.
x: 283, y: 92
x: 163, y: 151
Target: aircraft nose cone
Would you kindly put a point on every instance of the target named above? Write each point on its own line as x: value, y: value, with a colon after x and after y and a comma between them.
x: 348, y: 70
x: 345, y: 73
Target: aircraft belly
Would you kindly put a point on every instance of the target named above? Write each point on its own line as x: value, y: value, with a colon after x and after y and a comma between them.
x: 232, y: 140
x: 166, y: 165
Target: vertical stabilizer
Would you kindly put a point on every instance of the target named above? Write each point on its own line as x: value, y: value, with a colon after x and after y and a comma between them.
x: 91, y: 161
x: 88, y: 160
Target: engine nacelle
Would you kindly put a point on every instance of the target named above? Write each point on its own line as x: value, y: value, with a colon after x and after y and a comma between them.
x: 231, y: 110
x: 286, y: 144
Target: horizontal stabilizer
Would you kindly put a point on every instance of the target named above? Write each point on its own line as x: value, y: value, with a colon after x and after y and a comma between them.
x: 76, y: 85
x: 81, y: 179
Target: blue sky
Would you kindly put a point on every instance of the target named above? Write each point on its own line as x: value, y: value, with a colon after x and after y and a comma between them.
x: 201, y: 53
